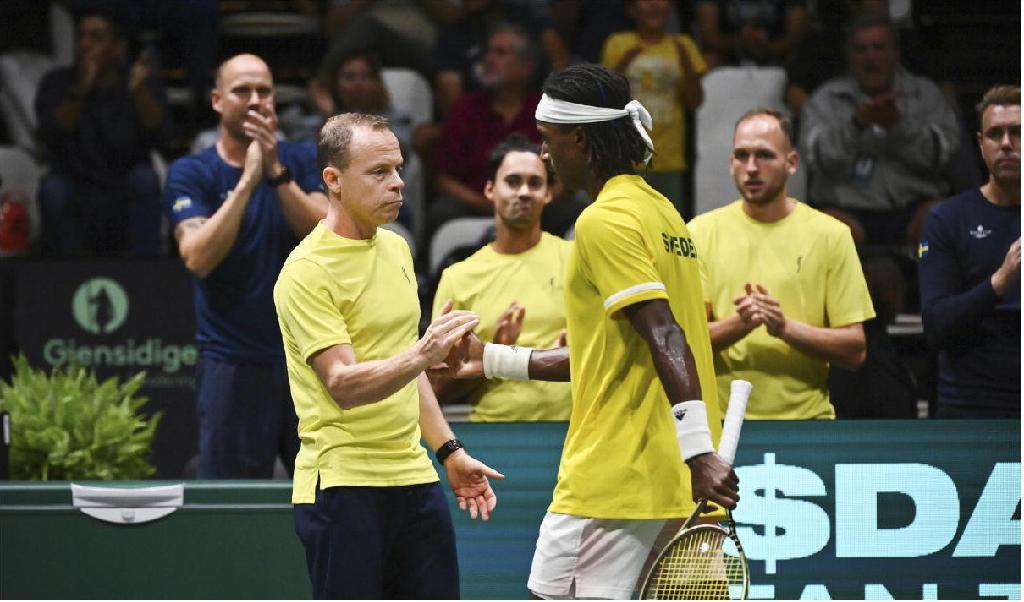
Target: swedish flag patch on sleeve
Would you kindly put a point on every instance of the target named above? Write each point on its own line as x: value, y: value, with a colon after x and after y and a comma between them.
x: 181, y: 203
x: 922, y: 249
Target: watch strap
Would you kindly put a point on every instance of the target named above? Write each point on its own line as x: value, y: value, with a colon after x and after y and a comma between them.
x: 282, y: 178
x: 448, y: 448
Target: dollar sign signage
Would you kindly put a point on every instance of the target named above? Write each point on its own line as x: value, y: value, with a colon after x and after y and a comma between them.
x: 789, y: 528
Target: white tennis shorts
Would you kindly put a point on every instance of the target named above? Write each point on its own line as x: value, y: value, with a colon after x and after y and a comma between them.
x: 579, y: 557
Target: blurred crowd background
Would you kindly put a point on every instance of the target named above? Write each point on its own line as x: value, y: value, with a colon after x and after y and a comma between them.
x: 456, y: 77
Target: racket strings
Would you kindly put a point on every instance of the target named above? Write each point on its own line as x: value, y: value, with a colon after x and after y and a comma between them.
x: 695, y: 567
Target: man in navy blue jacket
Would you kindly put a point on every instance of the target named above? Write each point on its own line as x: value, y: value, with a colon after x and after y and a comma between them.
x: 970, y: 276
x: 238, y: 209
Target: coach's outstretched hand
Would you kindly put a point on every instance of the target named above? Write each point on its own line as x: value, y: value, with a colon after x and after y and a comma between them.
x: 712, y: 479
x: 468, y: 478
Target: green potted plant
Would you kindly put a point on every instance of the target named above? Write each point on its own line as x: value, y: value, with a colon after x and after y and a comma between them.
x: 66, y: 425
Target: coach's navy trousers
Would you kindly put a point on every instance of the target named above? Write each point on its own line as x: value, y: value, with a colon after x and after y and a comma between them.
x: 380, y: 543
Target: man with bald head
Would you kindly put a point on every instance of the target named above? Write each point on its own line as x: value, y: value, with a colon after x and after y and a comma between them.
x: 238, y: 209
x: 783, y: 287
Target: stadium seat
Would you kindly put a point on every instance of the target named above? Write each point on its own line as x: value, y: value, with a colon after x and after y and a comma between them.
x: 62, y: 34
x: 728, y: 93
x: 410, y: 94
x: 21, y: 174
x: 20, y: 73
x: 458, y: 232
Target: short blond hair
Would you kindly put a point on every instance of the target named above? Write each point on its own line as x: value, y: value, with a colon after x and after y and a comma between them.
x: 335, y: 138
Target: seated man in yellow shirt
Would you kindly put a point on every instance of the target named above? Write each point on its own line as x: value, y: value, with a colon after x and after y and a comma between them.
x: 515, y: 285
x: 783, y: 286
x: 368, y: 506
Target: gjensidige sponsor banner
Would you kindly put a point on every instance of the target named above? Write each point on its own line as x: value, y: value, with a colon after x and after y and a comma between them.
x: 118, y: 317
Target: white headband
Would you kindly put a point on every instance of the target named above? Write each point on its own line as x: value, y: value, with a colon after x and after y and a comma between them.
x: 560, y: 111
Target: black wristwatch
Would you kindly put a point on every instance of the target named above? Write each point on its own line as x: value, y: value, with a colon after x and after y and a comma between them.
x: 282, y: 178
x: 449, y: 448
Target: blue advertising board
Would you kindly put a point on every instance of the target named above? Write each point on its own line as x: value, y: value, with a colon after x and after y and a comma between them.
x: 921, y: 509
x: 915, y: 509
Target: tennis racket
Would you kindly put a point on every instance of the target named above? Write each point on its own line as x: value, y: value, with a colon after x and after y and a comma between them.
x: 706, y: 562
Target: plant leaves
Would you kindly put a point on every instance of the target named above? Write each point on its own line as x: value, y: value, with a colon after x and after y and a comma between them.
x: 67, y: 425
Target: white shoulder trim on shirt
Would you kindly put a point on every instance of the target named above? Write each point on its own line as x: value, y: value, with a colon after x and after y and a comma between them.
x: 646, y: 286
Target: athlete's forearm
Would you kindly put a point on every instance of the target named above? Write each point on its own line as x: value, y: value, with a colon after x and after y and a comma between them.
x: 844, y: 346
x: 673, y: 359
x: 433, y: 426
x: 726, y: 332
x: 352, y: 384
x: 203, y: 245
x: 550, y: 364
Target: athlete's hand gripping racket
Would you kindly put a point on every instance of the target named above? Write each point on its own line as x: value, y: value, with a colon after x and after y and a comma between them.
x: 706, y: 562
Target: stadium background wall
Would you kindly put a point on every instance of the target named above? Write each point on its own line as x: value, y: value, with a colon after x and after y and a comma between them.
x: 866, y: 509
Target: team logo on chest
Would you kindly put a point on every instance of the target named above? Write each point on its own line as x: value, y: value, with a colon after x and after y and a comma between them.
x: 980, y: 232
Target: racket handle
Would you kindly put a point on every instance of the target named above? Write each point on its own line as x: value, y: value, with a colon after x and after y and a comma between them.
x: 738, y: 396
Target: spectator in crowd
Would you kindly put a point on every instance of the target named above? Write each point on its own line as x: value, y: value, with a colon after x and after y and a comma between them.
x: 357, y: 87
x: 515, y: 285
x: 750, y: 32
x: 969, y: 274
x: 877, y: 140
x: 479, y: 120
x: 368, y: 506
x: 191, y: 26
x: 98, y: 122
x: 238, y: 209
x: 664, y: 72
x: 401, y: 32
x: 821, y: 55
x: 459, y: 54
x: 783, y: 287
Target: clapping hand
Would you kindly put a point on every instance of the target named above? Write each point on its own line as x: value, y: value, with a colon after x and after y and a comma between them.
x: 509, y: 325
x: 262, y: 128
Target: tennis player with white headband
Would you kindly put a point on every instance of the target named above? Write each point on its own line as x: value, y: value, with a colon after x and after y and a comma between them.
x: 639, y: 353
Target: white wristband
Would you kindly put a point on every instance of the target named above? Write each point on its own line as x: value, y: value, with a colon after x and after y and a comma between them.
x: 507, y: 361
x: 692, y: 432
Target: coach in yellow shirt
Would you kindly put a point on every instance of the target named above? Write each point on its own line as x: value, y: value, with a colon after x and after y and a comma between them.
x: 639, y: 356
x: 515, y: 285
x: 783, y: 285
x: 368, y: 506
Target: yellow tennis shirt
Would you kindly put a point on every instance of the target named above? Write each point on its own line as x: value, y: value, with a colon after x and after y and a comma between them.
x: 808, y: 262
x: 486, y: 283
x: 621, y: 458
x: 334, y: 291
